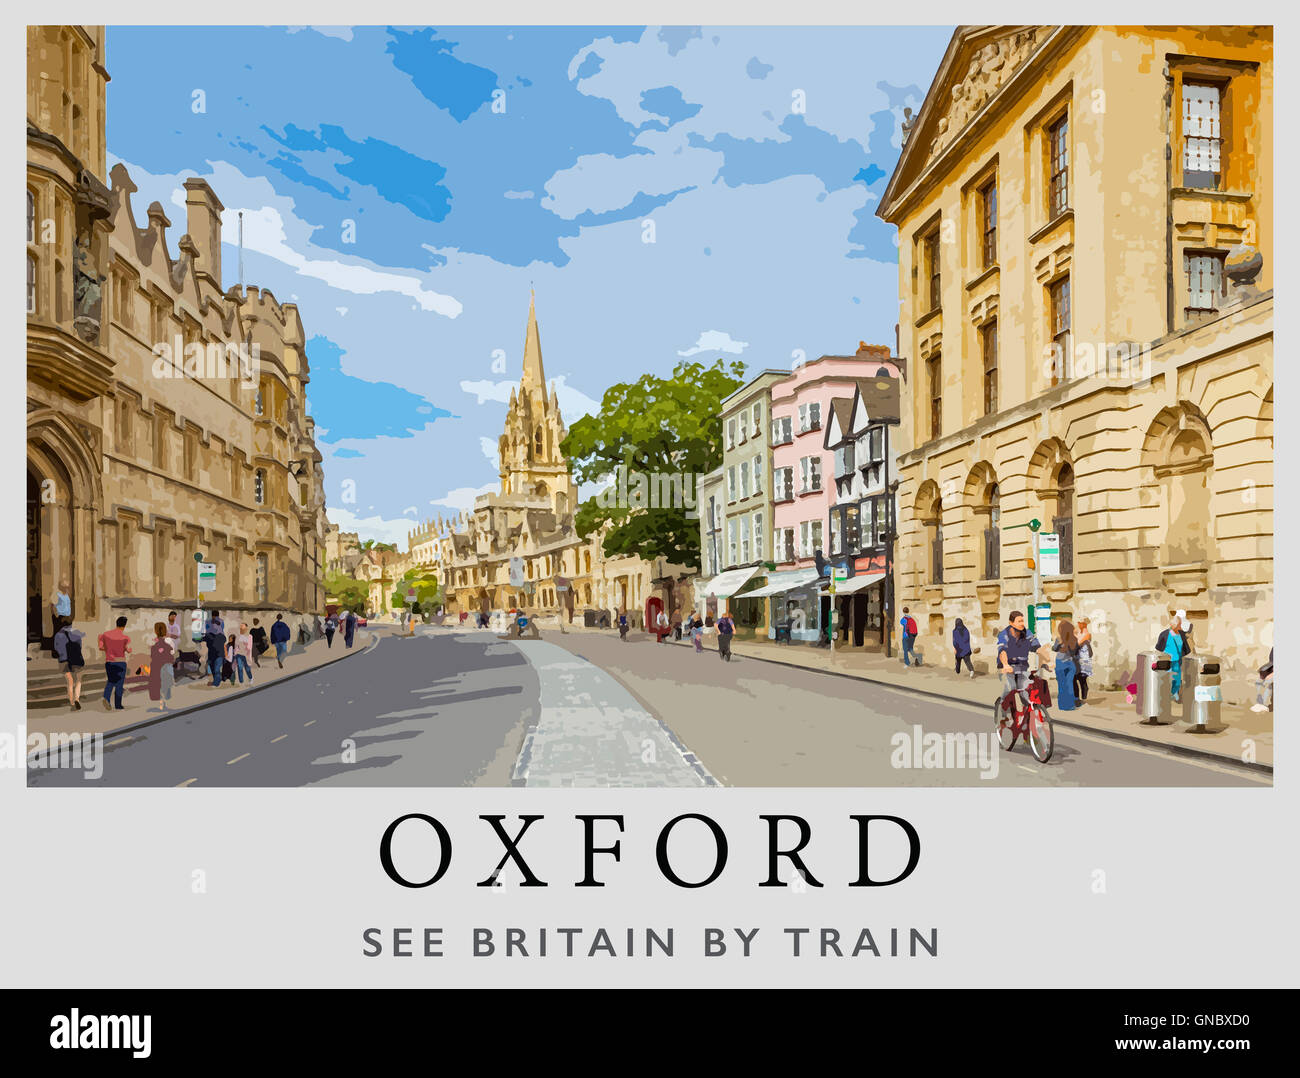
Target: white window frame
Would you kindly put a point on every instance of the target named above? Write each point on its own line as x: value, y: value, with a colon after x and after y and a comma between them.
x: 757, y: 527
x: 731, y: 484
x: 731, y: 541
x: 757, y: 471
x: 756, y: 419
x: 731, y: 433
x: 744, y: 479
x: 744, y: 541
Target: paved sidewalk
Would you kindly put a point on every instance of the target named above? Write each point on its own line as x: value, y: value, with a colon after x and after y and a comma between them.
x: 1244, y: 736
x: 188, y: 694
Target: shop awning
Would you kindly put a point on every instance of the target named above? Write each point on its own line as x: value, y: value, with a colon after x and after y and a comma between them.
x: 857, y: 583
x: 725, y: 585
x: 780, y: 583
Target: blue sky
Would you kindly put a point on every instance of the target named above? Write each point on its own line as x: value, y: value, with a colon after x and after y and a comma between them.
x: 407, y: 186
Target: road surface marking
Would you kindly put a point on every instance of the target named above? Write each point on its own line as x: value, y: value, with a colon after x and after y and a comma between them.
x: 238, y: 758
x: 185, y: 783
x: 280, y: 738
x: 309, y: 722
x: 121, y: 741
x: 1029, y: 769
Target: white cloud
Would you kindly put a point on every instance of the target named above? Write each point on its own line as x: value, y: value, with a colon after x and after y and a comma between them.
x: 463, y: 497
x: 371, y: 527
x: 714, y: 340
x: 573, y: 402
x: 344, y: 33
x: 491, y: 449
x: 489, y: 391
x: 518, y: 194
x: 273, y: 228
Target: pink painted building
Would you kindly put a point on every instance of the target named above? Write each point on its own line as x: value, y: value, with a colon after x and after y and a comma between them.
x: 803, y: 473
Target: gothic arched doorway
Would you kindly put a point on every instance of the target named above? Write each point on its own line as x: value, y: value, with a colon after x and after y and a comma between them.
x: 62, y: 510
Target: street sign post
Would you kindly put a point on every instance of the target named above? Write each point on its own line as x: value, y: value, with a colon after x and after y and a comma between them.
x: 1049, y: 553
x: 207, y: 578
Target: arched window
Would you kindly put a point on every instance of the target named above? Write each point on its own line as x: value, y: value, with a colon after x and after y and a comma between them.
x: 1187, y: 499
x: 586, y: 562
x: 993, y: 533
x: 1063, y: 521
x: 537, y: 441
x: 928, y: 513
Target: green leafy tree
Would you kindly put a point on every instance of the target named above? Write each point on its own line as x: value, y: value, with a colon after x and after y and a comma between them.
x: 426, y: 590
x: 349, y: 593
x: 653, y: 437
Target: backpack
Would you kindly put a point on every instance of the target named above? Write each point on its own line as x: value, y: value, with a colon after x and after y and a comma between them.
x: 73, y: 652
x: 910, y: 628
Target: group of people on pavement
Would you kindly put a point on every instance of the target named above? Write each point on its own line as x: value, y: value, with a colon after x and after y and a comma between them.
x: 1072, y: 647
x: 230, y: 656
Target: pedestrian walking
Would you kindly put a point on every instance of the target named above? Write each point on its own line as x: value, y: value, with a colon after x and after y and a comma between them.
x: 908, y: 624
x: 115, y: 646
x: 174, y: 635
x: 622, y: 626
x: 1084, y: 636
x: 726, y: 629
x: 1066, y: 646
x: 349, y: 627
x: 72, y: 663
x: 961, y: 647
x: 162, y: 672
x: 280, y: 638
x: 1173, y: 642
x: 228, y: 665
x: 244, y: 654
x: 214, y: 636
x: 260, y: 645
x: 662, y: 626
x: 331, y: 627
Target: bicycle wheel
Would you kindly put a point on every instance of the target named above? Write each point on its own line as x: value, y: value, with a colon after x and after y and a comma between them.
x: 1039, y: 733
x: 1005, y: 725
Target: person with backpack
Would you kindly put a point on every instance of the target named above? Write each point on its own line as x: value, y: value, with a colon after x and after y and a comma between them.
x: 280, y: 635
x: 331, y: 627
x: 622, y: 626
x: 72, y: 664
x: 961, y: 647
x: 214, y: 637
x: 726, y: 630
x: 908, y: 625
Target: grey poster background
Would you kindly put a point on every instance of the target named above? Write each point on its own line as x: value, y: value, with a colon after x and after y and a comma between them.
x: 100, y: 893
x: 96, y: 886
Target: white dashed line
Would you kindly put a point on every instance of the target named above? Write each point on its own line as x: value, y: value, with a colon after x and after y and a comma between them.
x: 238, y: 758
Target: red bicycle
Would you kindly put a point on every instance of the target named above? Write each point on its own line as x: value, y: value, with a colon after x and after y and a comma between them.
x: 1030, y: 721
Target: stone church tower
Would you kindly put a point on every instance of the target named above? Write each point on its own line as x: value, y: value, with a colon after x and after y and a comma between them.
x: 531, y: 462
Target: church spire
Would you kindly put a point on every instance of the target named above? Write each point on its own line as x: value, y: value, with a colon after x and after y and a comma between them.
x: 534, y: 375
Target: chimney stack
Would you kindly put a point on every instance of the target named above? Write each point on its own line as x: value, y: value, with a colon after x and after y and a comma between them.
x: 203, y: 222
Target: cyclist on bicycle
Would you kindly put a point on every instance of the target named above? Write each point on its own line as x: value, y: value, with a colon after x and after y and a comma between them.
x: 1015, y: 644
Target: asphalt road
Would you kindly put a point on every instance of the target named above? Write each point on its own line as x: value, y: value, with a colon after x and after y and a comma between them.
x: 755, y: 723
x: 463, y: 708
